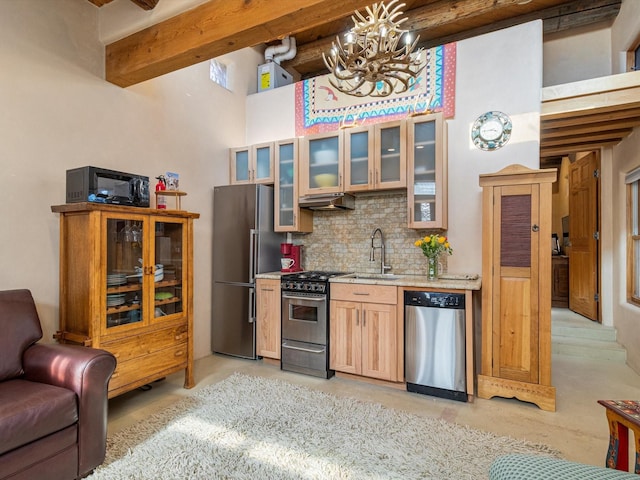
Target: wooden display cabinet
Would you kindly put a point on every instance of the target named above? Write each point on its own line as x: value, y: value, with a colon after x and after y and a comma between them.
x: 126, y: 286
x: 516, y: 287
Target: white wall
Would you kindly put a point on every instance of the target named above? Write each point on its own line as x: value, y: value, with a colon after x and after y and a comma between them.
x: 577, y: 54
x: 58, y: 113
x: 625, y: 34
x: 626, y: 157
x: 509, y: 82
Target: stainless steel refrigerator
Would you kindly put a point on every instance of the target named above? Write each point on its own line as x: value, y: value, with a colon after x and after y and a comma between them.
x: 244, y: 244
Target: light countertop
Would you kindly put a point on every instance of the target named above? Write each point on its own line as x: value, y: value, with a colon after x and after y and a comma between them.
x: 444, y: 281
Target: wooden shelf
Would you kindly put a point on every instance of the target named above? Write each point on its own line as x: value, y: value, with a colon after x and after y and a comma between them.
x: 171, y: 193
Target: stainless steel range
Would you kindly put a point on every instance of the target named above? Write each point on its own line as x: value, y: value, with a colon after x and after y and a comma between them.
x: 305, y: 322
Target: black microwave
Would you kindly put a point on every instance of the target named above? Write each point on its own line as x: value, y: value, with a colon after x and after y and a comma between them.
x: 99, y: 185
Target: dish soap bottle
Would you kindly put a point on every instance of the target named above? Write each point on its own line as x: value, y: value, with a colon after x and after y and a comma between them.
x: 161, y: 201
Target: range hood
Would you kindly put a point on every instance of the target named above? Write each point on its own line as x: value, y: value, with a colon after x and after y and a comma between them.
x: 328, y: 201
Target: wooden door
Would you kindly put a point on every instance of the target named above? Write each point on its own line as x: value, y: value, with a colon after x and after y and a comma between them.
x: 345, y: 337
x: 515, y: 283
x: 379, y: 341
x: 268, y: 310
x: 583, y: 230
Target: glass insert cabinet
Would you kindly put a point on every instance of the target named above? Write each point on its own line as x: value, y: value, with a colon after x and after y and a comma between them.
x: 126, y: 286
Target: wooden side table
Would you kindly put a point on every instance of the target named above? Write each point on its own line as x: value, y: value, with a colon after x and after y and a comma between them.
x: 622, y: 415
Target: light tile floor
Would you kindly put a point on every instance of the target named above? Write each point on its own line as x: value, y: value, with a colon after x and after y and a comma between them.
x: 578, y: 428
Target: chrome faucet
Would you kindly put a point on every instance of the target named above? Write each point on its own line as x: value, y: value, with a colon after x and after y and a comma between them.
x: 372, y: 254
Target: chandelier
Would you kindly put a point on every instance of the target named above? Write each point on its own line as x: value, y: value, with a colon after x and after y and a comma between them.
x: 377, y: 57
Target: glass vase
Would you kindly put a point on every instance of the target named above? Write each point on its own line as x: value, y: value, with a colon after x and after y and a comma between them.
x: 432, y: 268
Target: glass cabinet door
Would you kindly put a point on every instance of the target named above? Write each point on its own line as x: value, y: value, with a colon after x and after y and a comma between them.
x: 125, y: 270
x: 168, y: 268
x: 426, y: 192
x: 322, y: 164
x: 263, y: 163
x: 390, y: 171
x: 358, y: 145
x: 240, y: 165
x: 286, y: 198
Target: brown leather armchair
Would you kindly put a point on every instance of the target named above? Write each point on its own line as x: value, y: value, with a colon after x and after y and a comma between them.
x: 53, y: 399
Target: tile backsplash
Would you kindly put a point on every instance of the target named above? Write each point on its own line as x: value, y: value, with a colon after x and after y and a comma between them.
x: 341, y: 240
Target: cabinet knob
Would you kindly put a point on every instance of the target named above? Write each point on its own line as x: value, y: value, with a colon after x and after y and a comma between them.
x: 535, y: 228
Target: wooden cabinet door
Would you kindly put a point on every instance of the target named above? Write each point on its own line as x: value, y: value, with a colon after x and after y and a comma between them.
x: 390, y: 169
x: 268, y: 310
x: 515, y: 282
x: 240, y: 165
x: 288, y: 216
x: 379, y: 356
x: 358, y: 159
x: 426, y: 172
x: 262, y: 163
x: 321, y: 163
x: 345, y: 337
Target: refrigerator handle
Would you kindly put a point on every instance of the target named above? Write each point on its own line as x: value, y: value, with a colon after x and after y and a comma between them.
x: 252, y: 305
x: 253, y: 254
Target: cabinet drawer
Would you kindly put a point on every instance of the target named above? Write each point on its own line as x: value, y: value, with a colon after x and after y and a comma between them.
x: 147, y: 343
x: 150, y: 368
x: 355, y: 292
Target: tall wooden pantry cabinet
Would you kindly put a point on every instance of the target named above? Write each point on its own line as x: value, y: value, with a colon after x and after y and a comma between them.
x: 126, y: 286
x: 516, y: 287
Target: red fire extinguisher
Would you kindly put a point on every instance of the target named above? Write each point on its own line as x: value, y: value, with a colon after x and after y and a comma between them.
x: 161, y: 201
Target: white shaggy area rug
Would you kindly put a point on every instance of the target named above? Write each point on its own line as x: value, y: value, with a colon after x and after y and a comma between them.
x: 256, y: 428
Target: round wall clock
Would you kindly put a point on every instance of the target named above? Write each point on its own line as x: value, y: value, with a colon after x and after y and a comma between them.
x: 491, y: 130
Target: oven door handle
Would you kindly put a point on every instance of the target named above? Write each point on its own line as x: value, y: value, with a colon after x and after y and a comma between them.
x: 312, y: 299
x: 284, y: 345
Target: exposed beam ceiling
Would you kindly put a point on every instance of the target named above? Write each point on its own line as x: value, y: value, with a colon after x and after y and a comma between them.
x: 589, y: 114
x: 222, y: 26
x: 570, y: 121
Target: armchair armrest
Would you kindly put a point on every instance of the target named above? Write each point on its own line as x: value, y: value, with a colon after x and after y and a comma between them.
x: 87, y: 372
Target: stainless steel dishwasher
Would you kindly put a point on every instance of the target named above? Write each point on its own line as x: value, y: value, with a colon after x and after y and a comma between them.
x: 434, y: 344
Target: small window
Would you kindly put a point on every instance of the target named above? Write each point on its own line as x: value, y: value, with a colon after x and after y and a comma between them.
x: 633, y: 237
x: 218, y: 73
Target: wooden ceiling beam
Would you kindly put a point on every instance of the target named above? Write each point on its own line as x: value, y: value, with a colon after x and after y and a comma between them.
x: 587, y: 128
x: 491, y: 15
x: 212, y: 29
x: 568, y: 149
x: 595, y: 137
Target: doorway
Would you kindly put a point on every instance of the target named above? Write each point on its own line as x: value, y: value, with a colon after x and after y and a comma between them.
x: 575, y: 220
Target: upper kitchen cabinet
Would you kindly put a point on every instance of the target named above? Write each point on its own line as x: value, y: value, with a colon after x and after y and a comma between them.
x: 375, y: 157
x: 321, y: 163
x: 288, y: 217
x: 252, y: 164
x: 426, y: 172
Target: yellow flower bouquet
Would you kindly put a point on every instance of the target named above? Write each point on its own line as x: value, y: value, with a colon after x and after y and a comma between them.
x: 434, y: 245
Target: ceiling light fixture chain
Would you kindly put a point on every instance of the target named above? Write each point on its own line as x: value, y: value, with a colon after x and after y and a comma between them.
x: 377, y: 57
